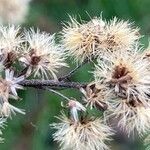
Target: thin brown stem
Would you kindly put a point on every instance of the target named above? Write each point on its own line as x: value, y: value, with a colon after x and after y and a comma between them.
x: 51, y: 83
x: 72, y: 72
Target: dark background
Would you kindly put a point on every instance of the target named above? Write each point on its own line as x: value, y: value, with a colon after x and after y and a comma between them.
x: 32, y: 131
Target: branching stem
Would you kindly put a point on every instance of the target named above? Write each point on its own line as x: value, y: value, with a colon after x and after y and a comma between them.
x: 69, y: 75
x: 52, y: 84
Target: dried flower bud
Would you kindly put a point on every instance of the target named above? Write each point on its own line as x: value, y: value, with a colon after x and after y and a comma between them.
x: 75, y: 106
x: 95, y: 96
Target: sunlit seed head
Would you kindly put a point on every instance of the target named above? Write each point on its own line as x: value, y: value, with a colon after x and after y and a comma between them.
x: 88, y: 134
x: 13, y: 11
x: 10, y: 41
x: 118, y: 35
x: 81, y: 40
x: 125, y: 73
x: 43, y: 57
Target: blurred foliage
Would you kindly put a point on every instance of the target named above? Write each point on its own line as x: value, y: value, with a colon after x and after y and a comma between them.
x: 32, y: 132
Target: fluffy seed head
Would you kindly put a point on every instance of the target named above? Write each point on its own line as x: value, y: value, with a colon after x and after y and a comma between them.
x: 118, y: 35
x: 125, y: 73
x: 97, y: 37
x: 10, y: 40
x: 88, y: 134
x: 43, y: 56
x: 132, y: 116
x: 13, y: 11
x: 82, y: 41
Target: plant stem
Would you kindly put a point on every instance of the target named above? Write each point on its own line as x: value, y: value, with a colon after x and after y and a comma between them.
x: 57, y: 93
x: 51, y: 83
x: 68, y: 76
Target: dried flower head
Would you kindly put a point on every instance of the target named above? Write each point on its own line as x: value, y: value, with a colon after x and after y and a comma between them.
x: 118, y: 35
x: 88, y: 134
x: 126, y: 74
x: 43, y: 56
x: 13, y: 11
x: 8, y: 88
x: 95, y: 96
x: 12, y: 82
x: 132, y: 116
x: 82, y: 41
x: 10, y: 40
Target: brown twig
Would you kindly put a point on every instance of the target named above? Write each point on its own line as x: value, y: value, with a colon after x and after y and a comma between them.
x: 51, y: 83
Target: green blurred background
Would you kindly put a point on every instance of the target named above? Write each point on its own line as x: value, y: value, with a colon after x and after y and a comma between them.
x: 32, y: 131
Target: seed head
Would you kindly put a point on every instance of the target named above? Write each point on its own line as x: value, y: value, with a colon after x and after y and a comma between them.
x: 10, y: 42
x: 43, y: 57
x: 126, y: 74
x: 88, y: 134
x: 118, y: 35
x: 132, y: 116
x: 82, y: 40
x: 13, y: 11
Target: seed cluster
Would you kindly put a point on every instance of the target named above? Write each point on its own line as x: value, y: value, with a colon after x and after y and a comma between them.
x: 121, y: 78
